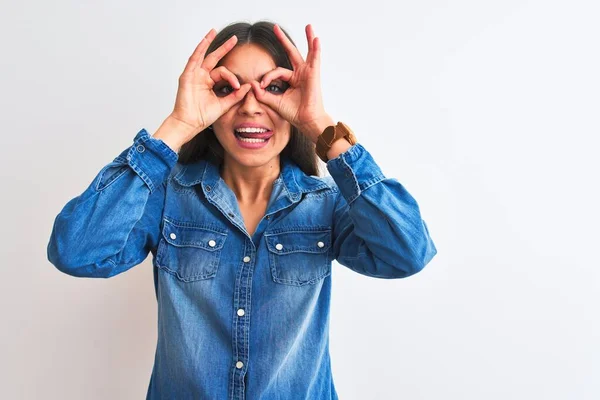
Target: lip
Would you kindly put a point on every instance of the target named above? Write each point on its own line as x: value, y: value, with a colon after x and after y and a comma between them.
x: 249, y: 145
x: 264, y: 135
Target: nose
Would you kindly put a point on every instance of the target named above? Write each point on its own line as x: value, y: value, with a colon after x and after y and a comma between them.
x: 249, y: 105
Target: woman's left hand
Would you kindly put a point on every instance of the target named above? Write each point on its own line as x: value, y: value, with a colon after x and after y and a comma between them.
x: 301, y: 104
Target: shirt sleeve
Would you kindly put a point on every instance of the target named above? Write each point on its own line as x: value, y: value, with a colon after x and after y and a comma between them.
x: 378, y: 230
x: 115, y: 222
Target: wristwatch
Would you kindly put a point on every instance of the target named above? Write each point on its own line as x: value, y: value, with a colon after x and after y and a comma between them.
x: 330, y: 135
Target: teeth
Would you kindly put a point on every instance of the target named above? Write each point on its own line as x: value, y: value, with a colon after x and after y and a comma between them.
x: 252, y: 130
x: 253, y: 140
x: 248, y: 140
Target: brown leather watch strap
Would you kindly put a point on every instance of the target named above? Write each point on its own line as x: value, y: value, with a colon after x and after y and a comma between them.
x: 330, y: 135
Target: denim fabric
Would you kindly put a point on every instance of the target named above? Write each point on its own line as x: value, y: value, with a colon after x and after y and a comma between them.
x: 240, y: 317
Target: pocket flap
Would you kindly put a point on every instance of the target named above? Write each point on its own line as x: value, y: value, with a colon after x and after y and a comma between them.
x: 186, y: 235
x: 298, y: 241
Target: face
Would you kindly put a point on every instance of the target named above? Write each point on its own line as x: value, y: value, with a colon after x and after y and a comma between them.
x: 236, y: 130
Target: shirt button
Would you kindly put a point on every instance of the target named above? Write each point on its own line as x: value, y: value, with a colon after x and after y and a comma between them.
x: 140, y: 148
x: 212, y: 243
x: 239, y: 364
x: 173, y: 236
x: 246, y: 259
x: 208, y: 188
x: 241, y: 312
x: 320, y: 244
x: 279, y: 246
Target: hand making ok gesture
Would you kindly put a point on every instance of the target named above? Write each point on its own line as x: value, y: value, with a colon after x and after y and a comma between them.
x: 301, y: 104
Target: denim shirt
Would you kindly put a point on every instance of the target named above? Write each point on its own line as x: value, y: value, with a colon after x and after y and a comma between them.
x: 240, y: 316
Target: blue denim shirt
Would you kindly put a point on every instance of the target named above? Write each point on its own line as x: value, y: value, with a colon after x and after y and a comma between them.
x: 240, y: 316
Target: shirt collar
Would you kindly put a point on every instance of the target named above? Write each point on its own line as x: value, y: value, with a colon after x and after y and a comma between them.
x: 293, y: 178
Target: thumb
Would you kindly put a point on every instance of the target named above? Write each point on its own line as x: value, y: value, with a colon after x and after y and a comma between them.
x: 228, y: 101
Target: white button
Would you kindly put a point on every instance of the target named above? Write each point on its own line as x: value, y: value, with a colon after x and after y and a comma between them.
x: 246, y: 259
x: 173, y: 236
x: 279, y: 246
x: 241, y: 312
x: 239, y: 364
x: 320, y: 244
x: 212, y: 243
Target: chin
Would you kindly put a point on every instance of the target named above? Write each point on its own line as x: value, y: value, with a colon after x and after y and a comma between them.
x: 253, y: 160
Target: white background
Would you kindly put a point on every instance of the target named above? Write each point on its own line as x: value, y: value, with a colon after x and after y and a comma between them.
x: 487, y: 112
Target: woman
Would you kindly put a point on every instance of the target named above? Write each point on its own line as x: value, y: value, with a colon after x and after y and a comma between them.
x: 226, y: 197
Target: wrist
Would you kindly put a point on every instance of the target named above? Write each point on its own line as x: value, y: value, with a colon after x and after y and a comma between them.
x: 175, y: 133
x: 338, y: 147
x: 317, y: 126
x: 329, y: 144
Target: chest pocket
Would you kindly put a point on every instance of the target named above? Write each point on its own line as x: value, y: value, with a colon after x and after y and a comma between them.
x: 190, y: 252
x: 299, y: 257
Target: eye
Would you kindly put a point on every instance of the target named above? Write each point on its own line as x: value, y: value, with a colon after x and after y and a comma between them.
x: 223, y: 90
x: 277, y: 88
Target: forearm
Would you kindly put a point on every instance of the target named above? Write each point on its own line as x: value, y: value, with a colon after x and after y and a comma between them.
x: 378, y: 228
x: 111, y: 225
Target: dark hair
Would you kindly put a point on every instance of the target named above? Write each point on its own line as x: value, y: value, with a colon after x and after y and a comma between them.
x: 205, y: 144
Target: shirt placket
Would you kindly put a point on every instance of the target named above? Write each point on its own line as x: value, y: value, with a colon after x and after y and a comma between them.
x: 241, y: 324
x: 243, y: 283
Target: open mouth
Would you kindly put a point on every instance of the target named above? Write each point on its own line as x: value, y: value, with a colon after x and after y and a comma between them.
x: 253, y: 135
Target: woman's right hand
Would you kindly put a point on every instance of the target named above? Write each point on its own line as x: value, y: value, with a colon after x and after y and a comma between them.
x: 196, y: 105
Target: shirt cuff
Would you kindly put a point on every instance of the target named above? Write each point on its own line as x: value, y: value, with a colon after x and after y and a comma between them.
x: 353, y: 171
x: 150, y: 158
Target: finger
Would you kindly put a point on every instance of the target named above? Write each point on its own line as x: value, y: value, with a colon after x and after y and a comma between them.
x: 265, y: 97
x: 314, y: 49
x: 314, y: 58
x: 310, y: 35
x: 277, y: 73
x: 199, y: 52
x: 291, y: 50
x: 222, y: 73
x: 228, y: 101
x: 213, y: 58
